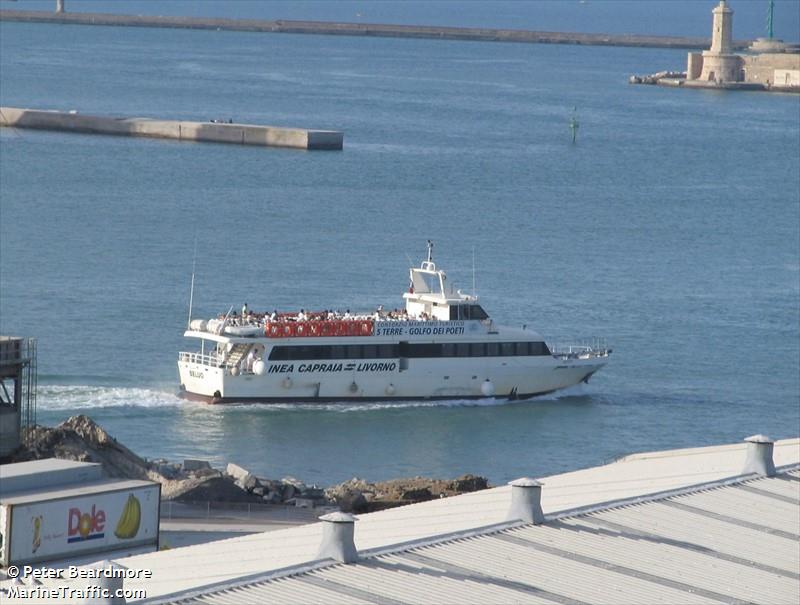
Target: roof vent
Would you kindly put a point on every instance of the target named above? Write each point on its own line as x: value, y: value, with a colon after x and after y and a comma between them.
x: 111, y: 584
x: 526, y: 501
x: 759, y: 456
x: 337, y: 538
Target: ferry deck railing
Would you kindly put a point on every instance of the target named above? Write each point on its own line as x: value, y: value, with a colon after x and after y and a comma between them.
x: 201, y: 359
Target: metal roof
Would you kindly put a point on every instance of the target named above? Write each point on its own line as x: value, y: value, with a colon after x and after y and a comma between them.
x: 731, y: 543
x: 596, y: 511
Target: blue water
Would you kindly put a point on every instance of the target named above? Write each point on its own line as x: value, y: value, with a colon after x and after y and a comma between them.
x: 672, y: 228
x: 653, y: 17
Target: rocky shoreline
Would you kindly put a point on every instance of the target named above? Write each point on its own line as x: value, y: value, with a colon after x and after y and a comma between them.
x: 80, y: 438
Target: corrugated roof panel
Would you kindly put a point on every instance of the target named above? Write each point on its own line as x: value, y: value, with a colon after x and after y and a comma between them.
x: 278, y: 591
x: 556, y: 574
x: 402, y: 581
x: 745, y: 507
x: 658, y: 562
x: 465, y: 588
x: 705, y: 533
x: 783, y: 487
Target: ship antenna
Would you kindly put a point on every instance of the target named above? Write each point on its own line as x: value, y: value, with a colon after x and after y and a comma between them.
x: 430, y: 250
x: 473, y: 271
x: 191, y: 290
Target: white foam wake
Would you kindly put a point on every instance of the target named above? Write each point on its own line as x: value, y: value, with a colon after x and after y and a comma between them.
x: 81, y: 397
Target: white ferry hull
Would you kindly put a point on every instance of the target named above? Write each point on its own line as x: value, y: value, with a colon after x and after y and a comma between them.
x: 382, y: 380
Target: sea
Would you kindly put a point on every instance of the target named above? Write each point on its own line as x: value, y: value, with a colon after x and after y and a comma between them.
x: 670, y: 228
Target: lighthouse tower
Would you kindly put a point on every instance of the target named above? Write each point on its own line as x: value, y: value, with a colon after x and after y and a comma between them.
x: 719, y: 64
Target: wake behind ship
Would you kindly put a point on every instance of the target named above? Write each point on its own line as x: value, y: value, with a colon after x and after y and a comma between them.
x: 442, y: 345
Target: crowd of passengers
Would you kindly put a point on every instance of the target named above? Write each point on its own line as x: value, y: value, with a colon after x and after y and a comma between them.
x: 252, y: 318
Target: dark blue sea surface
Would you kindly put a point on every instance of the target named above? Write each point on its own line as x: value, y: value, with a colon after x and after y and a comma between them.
x: 671, y: 228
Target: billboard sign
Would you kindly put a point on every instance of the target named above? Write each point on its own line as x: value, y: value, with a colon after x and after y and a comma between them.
x: 96, y: 522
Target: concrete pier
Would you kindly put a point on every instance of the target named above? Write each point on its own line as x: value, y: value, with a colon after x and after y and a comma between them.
x: 364, y: 29
x: 241, y: 134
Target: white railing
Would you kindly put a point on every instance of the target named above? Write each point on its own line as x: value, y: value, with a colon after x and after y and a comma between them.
x: 200, y: 359
x: 595, y: 347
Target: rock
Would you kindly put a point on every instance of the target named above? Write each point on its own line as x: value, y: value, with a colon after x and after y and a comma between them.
x: 195, y: 465
x: 417, y: 495
x: 236, y: 471
x: 248, y: 483
x: 468, y: 483
x: 312, y: 492
x: 298, y: 485
x: 215, y: 489
x: 287, y: 491
x: 168, y: 470
x: 80, y: 438
x: 273, y: 498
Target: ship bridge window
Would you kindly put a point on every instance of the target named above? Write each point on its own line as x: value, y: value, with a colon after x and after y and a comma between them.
x: 475, y: 349
x: 458, y: 312
x: 302, y: 352
x: 427, y: 350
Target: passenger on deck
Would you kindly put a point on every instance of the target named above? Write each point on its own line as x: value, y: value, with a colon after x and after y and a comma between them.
x: 274, y: 315
x: 302, y: 316
x: 244, y: 310
x: 347, y: 314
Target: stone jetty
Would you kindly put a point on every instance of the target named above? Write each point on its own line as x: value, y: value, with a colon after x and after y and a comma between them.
x: 197, y: 481
x: 362, y: 29
x: 214, y: 132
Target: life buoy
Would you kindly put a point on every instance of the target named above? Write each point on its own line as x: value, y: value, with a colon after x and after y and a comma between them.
x: 315, y: 328
x: 341, y: 328
x: 273, y: 330
x: 352, y: 328
x: 288, y: 329
x: 301, y: 329
x: 366, y: 328
x: 329, y: 328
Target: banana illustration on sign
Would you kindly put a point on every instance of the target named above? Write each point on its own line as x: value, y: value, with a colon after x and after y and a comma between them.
x: 128, y: 524
x: 37, y: 533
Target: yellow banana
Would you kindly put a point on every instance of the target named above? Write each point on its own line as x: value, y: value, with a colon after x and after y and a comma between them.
x: 128, y: 524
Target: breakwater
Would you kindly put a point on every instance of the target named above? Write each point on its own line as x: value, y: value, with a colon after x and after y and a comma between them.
x: 215, y: 132
x: 363, y: 29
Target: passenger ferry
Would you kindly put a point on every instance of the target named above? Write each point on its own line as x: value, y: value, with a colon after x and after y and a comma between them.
x: 442, y: 345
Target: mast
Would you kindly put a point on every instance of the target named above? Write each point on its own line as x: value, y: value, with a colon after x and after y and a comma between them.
x: 770, y: 12
x: 191, y: 290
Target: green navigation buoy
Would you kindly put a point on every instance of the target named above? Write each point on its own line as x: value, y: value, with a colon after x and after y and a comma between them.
x: 573, y: 124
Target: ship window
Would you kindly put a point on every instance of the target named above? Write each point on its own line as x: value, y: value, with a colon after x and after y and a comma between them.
x: 477, y: 349
x: 427, y: 350
x: 353, y: 352
x: 462, y: 349
x: 492, y: 349
x: 506, y: 349
x: 279, y: 354
x: 370, y: 351
x: 387, y: 351
x: 337, y: 352
x: 477, y: 312
x: 448, y: 349
x: 522, y: 348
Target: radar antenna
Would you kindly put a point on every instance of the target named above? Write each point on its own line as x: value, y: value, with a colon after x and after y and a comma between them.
x: 430, y: 251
